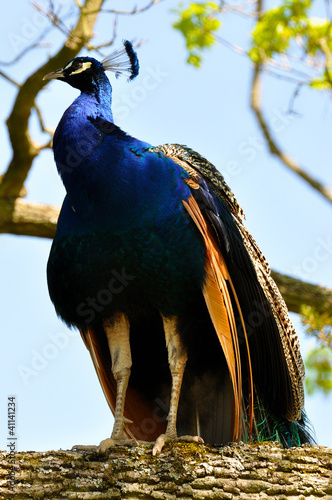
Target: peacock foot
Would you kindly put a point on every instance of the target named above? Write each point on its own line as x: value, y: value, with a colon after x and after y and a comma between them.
x: 118, y: 438
x: 164, y: 438
x: 107, y: 443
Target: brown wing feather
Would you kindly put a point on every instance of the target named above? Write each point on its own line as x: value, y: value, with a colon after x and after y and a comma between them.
x: 220, y: 307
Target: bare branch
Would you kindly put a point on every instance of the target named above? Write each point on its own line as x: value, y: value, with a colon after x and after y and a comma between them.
x: 239, y: 9
x: 294, y: 96
x: 34, y: 45
x: 271, y: 142
x: 235, y: 48
x: 41, y: 121
x: 271, y: 64
x: 54, y: 18
x: 47, y: 145
x: 97, y: 48
x: 9, y: 79
x: 132, y: 12
x: 285, y: 78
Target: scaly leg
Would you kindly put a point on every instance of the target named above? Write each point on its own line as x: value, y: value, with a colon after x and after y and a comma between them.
x: 177, y: 358
x: 117, y: 332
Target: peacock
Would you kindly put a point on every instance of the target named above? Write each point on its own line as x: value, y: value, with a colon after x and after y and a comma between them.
x: 151, y: 262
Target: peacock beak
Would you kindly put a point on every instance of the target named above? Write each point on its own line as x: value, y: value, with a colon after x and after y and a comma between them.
x: 54, y: 75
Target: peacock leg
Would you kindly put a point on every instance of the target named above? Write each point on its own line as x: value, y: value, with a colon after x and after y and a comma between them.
x: 117, y: 332
x: 177, y: 358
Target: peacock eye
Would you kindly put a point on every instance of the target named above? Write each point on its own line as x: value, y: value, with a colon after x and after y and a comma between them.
x: 76, y: 65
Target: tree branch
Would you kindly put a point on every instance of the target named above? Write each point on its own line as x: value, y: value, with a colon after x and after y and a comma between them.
x: 186, y: 471
x: 42, y: 126
x: 132, y: 12
x: 24, y: 149
x: 256, y: 106
x: 297, y: 293
x: 9, y: 79
x: 271, y: 142
x: 28, y: 219
x: 34, y: 45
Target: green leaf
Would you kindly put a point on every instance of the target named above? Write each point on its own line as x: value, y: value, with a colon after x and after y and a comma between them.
x: 319, y: 371
x: 198, y: 25
x: 195, y: 60
x: 321, y: 84
x: 277, y: 28
x: 319, y: 360
x: 317, y: 325
x: 286, y: 37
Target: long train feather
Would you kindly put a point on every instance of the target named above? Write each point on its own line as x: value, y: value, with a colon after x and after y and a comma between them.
x: 220, y: 307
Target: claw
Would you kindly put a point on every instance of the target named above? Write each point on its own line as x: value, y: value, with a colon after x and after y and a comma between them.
x: 105, y: 444
x: 84, y: 447
x: 163, y: 439
x: 127, y: 420
x: 191, y: 439
x: 159, y: 444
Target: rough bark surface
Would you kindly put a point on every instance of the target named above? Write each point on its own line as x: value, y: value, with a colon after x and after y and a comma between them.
x: 186, y: 471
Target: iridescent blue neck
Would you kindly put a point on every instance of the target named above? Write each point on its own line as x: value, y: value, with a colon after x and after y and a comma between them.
x: 76, y: 139
x: 97, y: 101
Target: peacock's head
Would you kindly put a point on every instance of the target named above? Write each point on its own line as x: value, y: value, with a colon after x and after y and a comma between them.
x: 83, y: 72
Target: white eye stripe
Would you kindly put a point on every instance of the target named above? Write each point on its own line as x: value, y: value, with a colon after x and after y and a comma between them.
x: 85, y: 66
x: 68, y: 65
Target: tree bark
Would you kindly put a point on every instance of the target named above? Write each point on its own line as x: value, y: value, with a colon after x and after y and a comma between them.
x: 186, y: 471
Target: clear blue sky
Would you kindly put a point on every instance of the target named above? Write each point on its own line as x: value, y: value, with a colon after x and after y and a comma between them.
x: 45, y: 365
